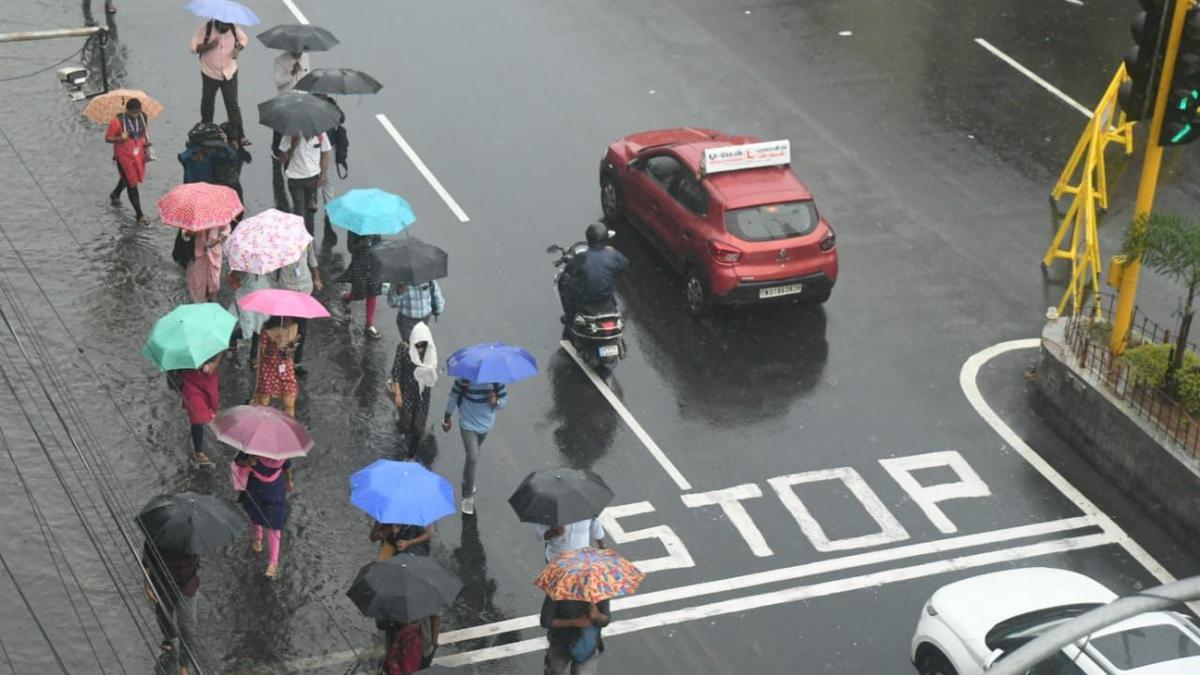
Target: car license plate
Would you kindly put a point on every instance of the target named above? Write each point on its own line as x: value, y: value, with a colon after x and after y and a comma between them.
x: 776, y: 291
x: 609, y: 350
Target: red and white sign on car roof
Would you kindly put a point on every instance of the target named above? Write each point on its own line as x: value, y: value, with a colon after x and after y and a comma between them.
x: 751, y: 156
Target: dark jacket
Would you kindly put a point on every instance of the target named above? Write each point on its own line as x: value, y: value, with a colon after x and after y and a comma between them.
x: 594, y: 274
x: 561, y: 639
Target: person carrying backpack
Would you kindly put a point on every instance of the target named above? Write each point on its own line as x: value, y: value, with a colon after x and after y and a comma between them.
x: 573, y: 631
x: 218, y: 45
x: 340, y: 141
x: 408, y: 646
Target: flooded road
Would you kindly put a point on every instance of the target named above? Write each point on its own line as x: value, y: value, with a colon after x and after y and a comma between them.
x: 930, y: 157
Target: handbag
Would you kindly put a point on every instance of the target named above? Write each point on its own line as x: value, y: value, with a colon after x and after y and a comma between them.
x: 184, y: 251
x: 585, y: 646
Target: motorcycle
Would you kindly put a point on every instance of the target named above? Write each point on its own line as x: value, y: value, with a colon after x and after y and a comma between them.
x: 596, y: 333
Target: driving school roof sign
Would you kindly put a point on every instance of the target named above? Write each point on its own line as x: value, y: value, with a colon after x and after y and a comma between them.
x: 752, y: 156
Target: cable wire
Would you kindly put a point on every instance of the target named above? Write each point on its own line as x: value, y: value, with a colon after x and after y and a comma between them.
x: 49, y: 643
x: 39, y: 72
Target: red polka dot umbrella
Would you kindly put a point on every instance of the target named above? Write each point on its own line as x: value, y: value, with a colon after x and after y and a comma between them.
x: 199, y: 206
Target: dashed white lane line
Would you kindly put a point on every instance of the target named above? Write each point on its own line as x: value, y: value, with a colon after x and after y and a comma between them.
x: 416, y: 160
x: 745, y: 581
x: 967, y: 380
x: 300, y: 18
x: 638, y: 431
x: 1033, y: 76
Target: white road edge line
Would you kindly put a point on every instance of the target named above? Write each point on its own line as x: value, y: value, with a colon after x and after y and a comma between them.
x: 416, y: 160
x: 1033, y: 76
x: 691, y: 591
x: 795, y: 594
x: 300, y: 18
x: 967, y: 380
x: 638, y: 431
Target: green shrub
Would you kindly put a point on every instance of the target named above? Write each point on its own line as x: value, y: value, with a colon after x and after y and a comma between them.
x: 1148, y: 366
x: 1188, y: 383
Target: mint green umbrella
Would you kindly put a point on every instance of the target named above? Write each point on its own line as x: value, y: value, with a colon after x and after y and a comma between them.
x: 188, y: 336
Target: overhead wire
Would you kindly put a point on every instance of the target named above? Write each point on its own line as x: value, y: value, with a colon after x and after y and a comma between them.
x: 77, y: 52
x: 38, y: 622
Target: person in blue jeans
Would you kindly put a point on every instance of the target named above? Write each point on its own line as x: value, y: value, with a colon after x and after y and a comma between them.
x: 477, y: 404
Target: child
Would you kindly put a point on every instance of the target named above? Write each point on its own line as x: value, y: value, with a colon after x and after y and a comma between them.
x: 201, y: 399
x: 277, y: 344
x: 265, y: 500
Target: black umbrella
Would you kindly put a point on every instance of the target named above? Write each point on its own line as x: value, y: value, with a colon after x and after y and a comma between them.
x: 338, y: 81
x: 408, y: 261
x: 298, y: 112
x: 560, y: 496
x: 297, y: 38
x: 405, y: 587
x: 190, y: 523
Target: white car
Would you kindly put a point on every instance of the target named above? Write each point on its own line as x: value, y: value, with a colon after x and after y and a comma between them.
x: 968, y: 625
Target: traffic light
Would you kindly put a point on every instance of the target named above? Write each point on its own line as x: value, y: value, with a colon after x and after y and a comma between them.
x: 1181, y: 121
x: 1143, y: 60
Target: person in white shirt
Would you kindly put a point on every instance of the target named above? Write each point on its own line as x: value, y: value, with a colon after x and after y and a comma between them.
x: 307, y: 162
x: 571, y: 536
x: 289, y: 69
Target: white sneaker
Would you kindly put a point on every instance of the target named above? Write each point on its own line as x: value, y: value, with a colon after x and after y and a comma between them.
x: 468, y: 505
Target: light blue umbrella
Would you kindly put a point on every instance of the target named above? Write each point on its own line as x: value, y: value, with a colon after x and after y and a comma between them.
x: 492, y: 363
x: 370, y: 211
x: 401, y: 493
x: 223, y: 10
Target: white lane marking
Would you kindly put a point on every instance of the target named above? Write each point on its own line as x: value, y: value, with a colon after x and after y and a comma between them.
x: 890, y: 529
x: 797, y: 593
x: 966, y: 379
x: 969, y: 484
x: 1033, y: 76
x: 300, y: 18
x: 677, y: 554
x: 730, y: 501
x: 638, y: 431
x: 416, y: 160
x: 1076, y: 2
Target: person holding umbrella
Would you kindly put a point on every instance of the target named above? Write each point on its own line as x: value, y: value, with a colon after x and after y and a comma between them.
x: 307, y: 162
x: 129, y: 134
x: 414, y: 372
x: 303, y: 276
x: 363, y: 277
x: 264, y: 498
x: 564, y: 506
x: 415, y: 303
x: 404, y: 499
x: 277, y: 344
x: 218, y: 42
x: 200, y: 391
x: 204, y: 271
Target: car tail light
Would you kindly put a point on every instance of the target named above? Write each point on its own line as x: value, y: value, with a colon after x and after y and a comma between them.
x: 723, y: 253
x: 829, y: 241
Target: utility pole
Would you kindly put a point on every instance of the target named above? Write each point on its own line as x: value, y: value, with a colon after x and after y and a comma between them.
x: 87, y: 31
x: 1149, y: 178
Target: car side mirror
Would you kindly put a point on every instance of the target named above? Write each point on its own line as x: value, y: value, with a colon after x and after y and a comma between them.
x: 553, y: 248
x: 635, y: 163
x: 992, y: 658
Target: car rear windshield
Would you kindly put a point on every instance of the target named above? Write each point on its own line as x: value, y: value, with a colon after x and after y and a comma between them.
x: 1145, y: 646
x: 772, y: 221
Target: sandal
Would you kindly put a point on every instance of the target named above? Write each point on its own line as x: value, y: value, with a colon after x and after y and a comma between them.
x: 256, y: 545
x: 373, y: 333
x: 272, y: 571
x: 202, y: 459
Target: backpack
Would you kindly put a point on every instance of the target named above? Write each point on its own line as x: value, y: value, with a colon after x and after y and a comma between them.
x: 404, y: 651
x: 184, y: 251
x: 585, y: 647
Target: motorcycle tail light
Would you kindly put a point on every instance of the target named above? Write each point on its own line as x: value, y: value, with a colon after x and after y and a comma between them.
x: 723, y: 253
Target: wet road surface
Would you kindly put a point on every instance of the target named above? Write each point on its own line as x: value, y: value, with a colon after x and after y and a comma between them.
x: 931, y: 157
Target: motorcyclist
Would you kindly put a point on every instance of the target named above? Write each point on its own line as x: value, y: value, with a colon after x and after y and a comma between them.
x: 589, y: 280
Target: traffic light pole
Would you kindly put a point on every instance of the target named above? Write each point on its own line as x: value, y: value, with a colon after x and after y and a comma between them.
x: 1149, y: 179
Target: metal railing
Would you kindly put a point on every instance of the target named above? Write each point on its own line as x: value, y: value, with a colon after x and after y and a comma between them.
x: 1087, y: 340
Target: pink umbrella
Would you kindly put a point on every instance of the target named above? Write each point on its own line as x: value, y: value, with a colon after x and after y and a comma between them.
x: 262, y: 431
x: 280, y: 302
x: 199, y: 206
x: 266, y: 242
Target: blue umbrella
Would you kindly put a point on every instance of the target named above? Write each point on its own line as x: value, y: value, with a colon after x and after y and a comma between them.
x: 492, y: 363
x: 223, y: 10
x: 370, y: 211
x: 401, y: 493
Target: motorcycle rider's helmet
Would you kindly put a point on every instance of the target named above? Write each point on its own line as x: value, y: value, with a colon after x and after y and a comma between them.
x: 597, y: 233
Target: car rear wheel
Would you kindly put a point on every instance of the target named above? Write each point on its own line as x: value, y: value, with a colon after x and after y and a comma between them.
x: 936, y: 664
x: 695, y: 293
x: 610, y: 199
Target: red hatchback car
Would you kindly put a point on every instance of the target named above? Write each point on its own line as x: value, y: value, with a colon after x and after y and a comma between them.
x: 725, y: 211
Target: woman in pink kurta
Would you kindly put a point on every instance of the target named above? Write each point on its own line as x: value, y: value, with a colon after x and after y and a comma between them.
x: 204, y: 271
x: 129, y: 134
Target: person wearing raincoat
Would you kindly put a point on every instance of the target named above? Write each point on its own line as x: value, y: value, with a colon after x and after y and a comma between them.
x: 129, y: 134
x: 414, y: 372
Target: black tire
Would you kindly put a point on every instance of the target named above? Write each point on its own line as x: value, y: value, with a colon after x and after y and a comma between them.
x: 696, y: 297
x: 610, y: 199
x: 935, y: 663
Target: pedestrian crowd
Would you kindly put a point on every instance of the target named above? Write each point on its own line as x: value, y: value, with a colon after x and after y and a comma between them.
x: 269, y: 264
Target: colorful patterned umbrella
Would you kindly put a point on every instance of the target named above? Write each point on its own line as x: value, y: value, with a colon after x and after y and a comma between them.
x: 590, y: 575
x: 188, y: 336
x: 266, y: 242
x: 193, y: 207
x: 282, y: 302
x: 262, y: 431
x: 106, y: 106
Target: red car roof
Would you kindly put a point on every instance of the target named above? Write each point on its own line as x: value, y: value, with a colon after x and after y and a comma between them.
x: 736, y: 189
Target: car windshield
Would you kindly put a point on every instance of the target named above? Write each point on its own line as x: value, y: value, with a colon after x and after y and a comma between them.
x: 1145, y: 646
x: 772, y: 221
x: 1014, y: 632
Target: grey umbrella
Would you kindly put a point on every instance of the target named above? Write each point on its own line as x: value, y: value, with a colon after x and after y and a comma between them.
x: 405, y: 587
x: 189, y: 523
x: 338, y: 81
x: 297, y: 38
x: 298, y: 112
x: 408, y: 261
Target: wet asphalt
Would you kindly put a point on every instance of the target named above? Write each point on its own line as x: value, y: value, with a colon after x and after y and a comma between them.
x: 930, y: 157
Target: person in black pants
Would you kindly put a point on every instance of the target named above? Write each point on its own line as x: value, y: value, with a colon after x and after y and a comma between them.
x: 218, y: 45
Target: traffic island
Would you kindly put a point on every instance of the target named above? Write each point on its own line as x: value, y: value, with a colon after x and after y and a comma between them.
x: 1137, y: 437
